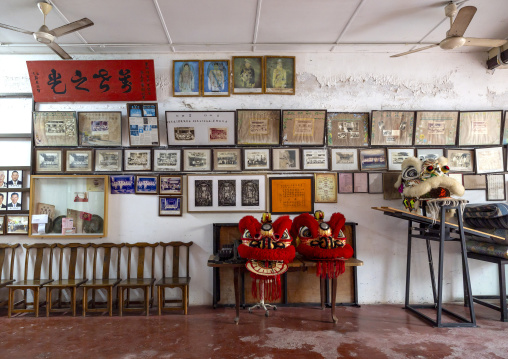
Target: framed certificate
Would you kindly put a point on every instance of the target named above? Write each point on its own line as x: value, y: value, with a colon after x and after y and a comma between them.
x: 347, y: 129
x: 100, y: 129
x: 480, y: 128
x: 258, y: 127
x: 291, y: 195
x: 303, y: 127
x: 325, y: 187
x: 436, y: 128
x: 392, y: 128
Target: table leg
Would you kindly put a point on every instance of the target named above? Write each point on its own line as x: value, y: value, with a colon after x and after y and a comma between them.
x: 322, y: 285
x: 237, y: 294
x: 333, y: 299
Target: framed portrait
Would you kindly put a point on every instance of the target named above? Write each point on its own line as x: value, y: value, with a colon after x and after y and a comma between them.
x: 3, y: 178
x: 315, y: 159
x: 2, y: 225
x: 429, y: 153
x: 100, y: 128
x: 396, y: 156
x: 137, y: 159
x: 248, y: 75
x: 170, y: 184
x: 489, y: 159
x: 286, y: 159
x: 389, y: 190
x: 3, y: 201
x: 108, y: 160
x: 392, y: 128
x: 361, y: 182
x: 55, y: 128
x: 199, y: 159
x: 78, y: 160
x: 14, y: 201
x: 186, y: 78
x: 227, y: 159
x: 216, y: 78
x: 460, y: 160
x: 375, y: 182
x: 347, y: 129
x: 325, y: 187
x: 373, y: 159
x: 15, y: 179
x: 170, y: 205
x: 346, y: 182
x: 200, y: 128
x: 480, y: 128
x: 17, y: 224
x: 291, y: 195
x: 303, y: 127
x: 436, y: 128
x: 474, y: 182
x: 147, y: 185
x: 226, y: 193
x: 257, y: 159
x: 48, y: 160
x: 122, y: 184
x: 143, y: 124
x: 280, y: 75
x: 344, y: 159
x: 167, y: 160
x: 496, y: 187
x: 457, y: 177
x: 258, y: 127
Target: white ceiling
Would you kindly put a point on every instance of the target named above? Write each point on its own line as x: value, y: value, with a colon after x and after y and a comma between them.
x: 261, y: 26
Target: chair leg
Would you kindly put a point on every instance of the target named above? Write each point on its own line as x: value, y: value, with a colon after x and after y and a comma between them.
x: 73, y: 301
x: 48, y: 301
x: 10, y: 304
x: 85, y: 300
x: 147, y: 300
x: 120, y: 301
x: 184, y: 297
x: 159, y: 299
x: 110, y: 302
x: 36, y: 302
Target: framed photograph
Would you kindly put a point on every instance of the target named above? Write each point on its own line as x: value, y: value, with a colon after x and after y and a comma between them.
x: 373, y: 159
x: 48, y: 160
x: 475, y: 182
x: 199, y: 159
x: 489, y: 159
x: 17, y: 224
x: 167, y: 160
x: 389, y: 190
x: 347, y: 129
x: 480, y: 128
x: 3, y: 178
x: 248, y: 75
x: 345, y: 182
x: 122, y: 184
x: 325, y: 187
x: 396, y: 156
x: 170, y: 205
x: 216, y: 78
x: 361, y: 182
x: 108, y: 160
x: 15, y: 179
x: 496, y: 190
x: 315, y: 159
x: 55, y: 129
x: 280, y: 75
x: 258, y: 127
x: 344, y: 159
x: 186, y: 78
x: 200, y: 128
x: 286, y: 159
x: 143, y: 124
x: 303, y: 127
x: 375, y: 182
x: 291, y: 195
x: 429, y: 153
x: 3, y: 201
x: 392, y: 128
x: 137, y: 159
x: 460, y: 160
x: 14, y: 201
x: 256, y: 159
x: 226, y: 193
x: 227, y: 159
x: 457, y: 177
x: 170, y: 184
x: 147, y: 185
x: 2, y: 225
x: 505, y: 129
x: 436, y: 128
x: 100, y: 128
x: 78, y: 160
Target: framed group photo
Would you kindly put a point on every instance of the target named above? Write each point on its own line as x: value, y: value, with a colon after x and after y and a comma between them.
x: 347, y: 129
x: 55, y: 129
x: 460, y: 160
x: 257, y: 159
x: 147, y: 185
x: 344, y: 159
x: 100, y: 129
x: 108, y: 160
x: 315, y: 158
x: 79, y: 160
x: 286, y: 159
x: 171, y: 184
x: 167, y: 160
x: 137, y: 159
x: 170, y: 205
x: 227, y: 159
x: 186, y: 78
x: 199, y: 159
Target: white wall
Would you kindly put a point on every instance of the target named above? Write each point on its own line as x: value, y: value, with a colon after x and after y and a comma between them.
x: 336, y: 82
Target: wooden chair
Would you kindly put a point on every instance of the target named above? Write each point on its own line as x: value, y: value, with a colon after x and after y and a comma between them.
x: 175, y: 281
x: 105, y: 282
x: 140, y: 282
x: 34, y: 284
x: 71, y: 283
x: 4, y: 250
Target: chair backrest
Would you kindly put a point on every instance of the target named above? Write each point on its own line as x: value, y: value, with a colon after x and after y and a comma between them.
x: 3, y: 252
x: 141, y: 246
x: 39, y: 258
x: 73, y: 259
x: 108, y: 247
x: 176, y: 257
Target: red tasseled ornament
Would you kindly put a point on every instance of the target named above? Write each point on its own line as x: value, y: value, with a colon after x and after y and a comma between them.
x: 266, y: 287
x: 282, y: 254
x: 330, y: 269
x: 316, y: 253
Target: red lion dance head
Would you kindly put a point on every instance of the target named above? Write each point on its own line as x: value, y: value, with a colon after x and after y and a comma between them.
x: 322, y: 241
x: 267, y: 246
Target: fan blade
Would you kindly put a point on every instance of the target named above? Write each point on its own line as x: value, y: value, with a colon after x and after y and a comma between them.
x: 471, y: 41
x: 462, y: 21
x: 71, y: 27
x: 9, y: 27
x: 415, y: 50
x: 59, y: 51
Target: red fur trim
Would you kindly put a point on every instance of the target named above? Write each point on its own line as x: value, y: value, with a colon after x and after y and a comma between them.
x: 320, y: 253
x: 337, y: 222
x: 283, y: 254
x: 330, y: 269
x: 306, y: 220
x: 281, y: 224
x: 250, y: 223
x: 267, y: 288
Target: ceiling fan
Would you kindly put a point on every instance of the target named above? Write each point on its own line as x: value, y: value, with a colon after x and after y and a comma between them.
x: 454, y: 38
x: 46, y: 36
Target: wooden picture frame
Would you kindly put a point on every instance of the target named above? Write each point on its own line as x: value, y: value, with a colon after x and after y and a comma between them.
x: 489, y: 159
x: 344, y: 159
x: 280, y: 75
x: 2, y: 225
x: 436, y: 128
x: 227, y: 159
x: 79, y: 160
x: 122, y: 184
x: 346, y: 183
x: 187, y: 78
x: 459, y: 177
x: 429, y: 153
x: 48, y: 160
x: 15, y: 175
x: 147, y: 184
x: 171, y: 185
x: 373, y: 159
x: 248, y: 75
x: 12, y: 205
x: 396, y: 156
x: 361, y: 182
x: 256, y: 159
x: 325, y: 187
x: 496, y: 187
x: 480, y: 128
x: 100, y: 129
x: 216, y: 76
x: 170, y: 206
x: 392, y: 128
x: 167, y: 160
x: 460, y: 160
x: 291, y: 195
x: 375, y: 182
x: 347, y: 129
x: 315, y: 159
x: 3, y: 201
x: 197, y: 160
x: 258, y: 127
x: 505, y: 129
x: 55, y: 129
x: 108, y: 160
x: 16, y: 224
x: 286, y: 159
x: 143, y: 124
x: 389, y: 190
x: 474, y: 182
x: 303, y: 127
x: 137, y: 159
